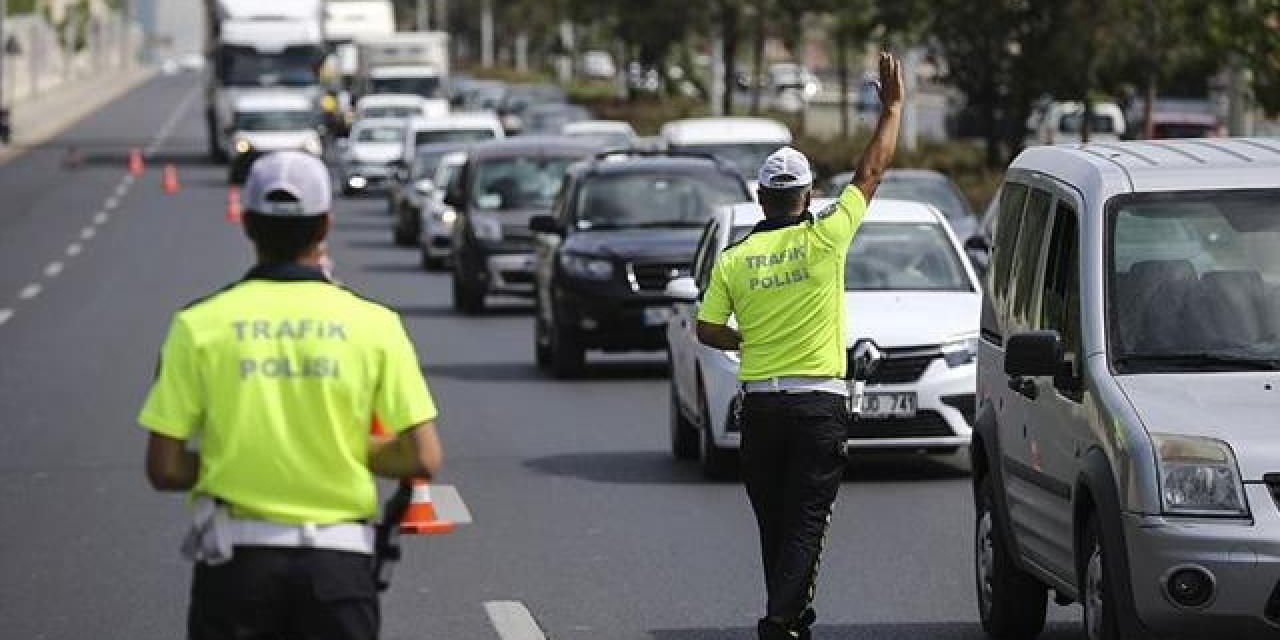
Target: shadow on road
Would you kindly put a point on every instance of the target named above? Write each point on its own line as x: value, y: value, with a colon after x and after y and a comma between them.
x: 619, y: 467
x: 119, y: 157
x: 883, y: 631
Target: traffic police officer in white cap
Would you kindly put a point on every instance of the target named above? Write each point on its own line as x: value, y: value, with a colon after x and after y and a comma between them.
x: 278, y: 378
x: 784, y: 285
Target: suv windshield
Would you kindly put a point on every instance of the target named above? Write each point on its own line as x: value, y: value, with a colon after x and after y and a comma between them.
x: 380, y: 134
x: 518, y: 183
x: 1194, y: 280
x: 437, y: 136
x: 274, y: 120
x: 745, y: 157
x: 893, y: 256
x: 630, y: 200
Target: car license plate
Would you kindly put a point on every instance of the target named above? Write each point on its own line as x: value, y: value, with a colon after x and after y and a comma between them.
x: 656, y: 316
x: 888, y: 405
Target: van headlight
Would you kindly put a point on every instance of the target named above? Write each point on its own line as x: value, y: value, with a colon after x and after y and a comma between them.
x: 960, y: 351
x: 586, y: 267
x: 243, y: 146
x: 313, y: 147
x: 1198, y: 476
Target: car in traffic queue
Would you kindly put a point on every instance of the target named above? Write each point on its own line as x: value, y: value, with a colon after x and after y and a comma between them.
x: 611, y: 134
x: 502, y: 186
x: 923, y: 185
x: 1125, y: 452
x: 551, y: 119
x: 406, y: 200
x: 436, y: 240
x: 742, y: 142
x: 624, y: 226
x: 517, y: 98
x: 465, y: 127
x: 908, y: 290
x: 399, y: 105
x: 366, y: 158
x: 269, y: 121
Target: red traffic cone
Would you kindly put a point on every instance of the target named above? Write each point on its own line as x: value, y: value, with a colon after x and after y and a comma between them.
x: 233, y: 207
x: 136, y: 166
x: 169, y: 180
x: 420, y: 517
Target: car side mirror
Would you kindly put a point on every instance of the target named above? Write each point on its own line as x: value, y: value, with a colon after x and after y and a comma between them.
x: 545, y: 224
x: 424, y: 186
x: 1034, y: 353
x: 683, y: 289
x: 977, y: 244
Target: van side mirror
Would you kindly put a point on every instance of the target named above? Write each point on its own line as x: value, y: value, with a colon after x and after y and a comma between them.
x: 1034, y: 353
x: 545, y: 224
x: 683, y: 289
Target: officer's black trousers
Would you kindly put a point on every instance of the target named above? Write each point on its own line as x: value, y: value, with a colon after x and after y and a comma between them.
x: 285, y: 594
x: 792, y: 461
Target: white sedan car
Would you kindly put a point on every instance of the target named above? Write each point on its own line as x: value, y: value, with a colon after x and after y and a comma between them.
x: 436, y: 240
x: 908, y: 289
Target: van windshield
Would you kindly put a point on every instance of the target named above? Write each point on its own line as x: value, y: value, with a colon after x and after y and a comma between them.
x: 274, y: 120
x: 438, y: 136
x: 1195, y: 281
x: 746, y: 157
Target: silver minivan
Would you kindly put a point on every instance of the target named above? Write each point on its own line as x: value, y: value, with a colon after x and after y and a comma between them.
x: 1126, y: 452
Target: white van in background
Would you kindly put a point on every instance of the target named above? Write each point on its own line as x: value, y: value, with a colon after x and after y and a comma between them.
x: 1062, y: 122
x: 742, y: 142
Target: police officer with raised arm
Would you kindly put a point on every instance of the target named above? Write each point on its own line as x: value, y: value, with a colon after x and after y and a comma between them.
x: 277, y: 378
x: 784, y: 285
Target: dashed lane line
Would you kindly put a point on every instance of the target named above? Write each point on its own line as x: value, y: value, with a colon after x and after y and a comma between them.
x: 53, y: 269
x: 167, y: 129
x: 122, y: 189
x: 101, y: 217
x: 30, y: 291
x: 111, y: 203
x: 74, y: 249
x: 87, y: 233
x: 5, y: 314
x: 512, y: 621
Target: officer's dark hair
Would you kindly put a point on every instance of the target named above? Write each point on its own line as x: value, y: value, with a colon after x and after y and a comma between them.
x: 284, y: 238
x: 781, y: 202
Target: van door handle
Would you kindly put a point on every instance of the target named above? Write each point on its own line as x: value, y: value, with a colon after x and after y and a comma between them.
x: 1025, y: 386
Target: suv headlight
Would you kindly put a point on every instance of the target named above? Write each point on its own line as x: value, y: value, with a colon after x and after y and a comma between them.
x: 243, y: 146
x: 486, y: 229
x: 586, y: 267
x: 960, y: 351
x: 1198, y: 476
x: 312, y: 146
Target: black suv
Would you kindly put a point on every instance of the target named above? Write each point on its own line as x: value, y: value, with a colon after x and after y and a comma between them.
x: 503, y: 185
x: 624, y: 225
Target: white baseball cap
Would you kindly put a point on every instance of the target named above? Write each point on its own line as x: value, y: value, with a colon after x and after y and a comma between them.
x: 301, y: 175
x: 785, y: 168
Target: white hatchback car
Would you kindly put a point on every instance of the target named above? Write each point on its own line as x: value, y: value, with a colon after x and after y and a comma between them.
x: 909, y: 290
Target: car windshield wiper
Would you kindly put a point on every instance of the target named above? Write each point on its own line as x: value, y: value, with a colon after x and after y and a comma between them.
x: 1204, y: 359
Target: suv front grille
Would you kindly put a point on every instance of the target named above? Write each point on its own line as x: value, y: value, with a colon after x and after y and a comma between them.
x: 655, y: 276
x: 926, y: 424
x: 901, y: 366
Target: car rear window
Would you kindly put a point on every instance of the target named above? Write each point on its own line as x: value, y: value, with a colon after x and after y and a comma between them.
x: 632, y: 200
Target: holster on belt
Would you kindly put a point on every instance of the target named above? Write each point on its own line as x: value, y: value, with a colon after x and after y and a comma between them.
x: 386, y: 541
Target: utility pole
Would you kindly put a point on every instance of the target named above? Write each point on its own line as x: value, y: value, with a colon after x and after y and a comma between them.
x: 424, y: 16
x: 486, y: 34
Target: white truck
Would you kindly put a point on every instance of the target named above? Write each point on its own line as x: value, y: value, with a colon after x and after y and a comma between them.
x: 255, y: 46
x: 347, y: 23
x: 414, y: 62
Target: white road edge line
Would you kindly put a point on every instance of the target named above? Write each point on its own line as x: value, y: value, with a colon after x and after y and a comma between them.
x: 30, y: 291
x: 74, y: 249
x: 5, y: 314
x: 101, y: 217
x: 87, y: 233
x: 165, y: 130
x: 53, y: 269
x: 512, y: 620
x: 111, y: 203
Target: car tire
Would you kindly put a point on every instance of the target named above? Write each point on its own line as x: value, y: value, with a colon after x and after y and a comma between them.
x: 1097, y: 588
x: 718, y: 463
x: 684, y: 434
x: 1011, y: 602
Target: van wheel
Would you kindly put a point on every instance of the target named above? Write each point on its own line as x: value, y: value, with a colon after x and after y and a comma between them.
x: 684, y: 435
x: 1011, y: 603
x: 718, y: 463
x: 1098, y: 589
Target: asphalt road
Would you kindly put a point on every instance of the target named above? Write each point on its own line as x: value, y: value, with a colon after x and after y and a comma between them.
x: 580, y: 514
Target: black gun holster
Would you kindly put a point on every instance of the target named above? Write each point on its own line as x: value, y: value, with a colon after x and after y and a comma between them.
x: 386, y: 540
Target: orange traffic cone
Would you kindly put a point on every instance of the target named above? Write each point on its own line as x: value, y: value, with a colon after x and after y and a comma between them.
x: 169, y: 180
x: 420, y: 517
x: 233, y: 206
x: 136, y: 166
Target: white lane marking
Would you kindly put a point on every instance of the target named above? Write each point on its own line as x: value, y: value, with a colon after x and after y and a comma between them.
x: 449, y: 505
x: 101, y: 217
x: 122, y: 189
x: 30, y: 291
x: 87, y: 233
x: 53, y: 269
x: 5, y: 314
x: 127, y: 180
x: 163, y: 134
x: 74, y: 249
x: 512, y: 621
x: 111, y: 203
